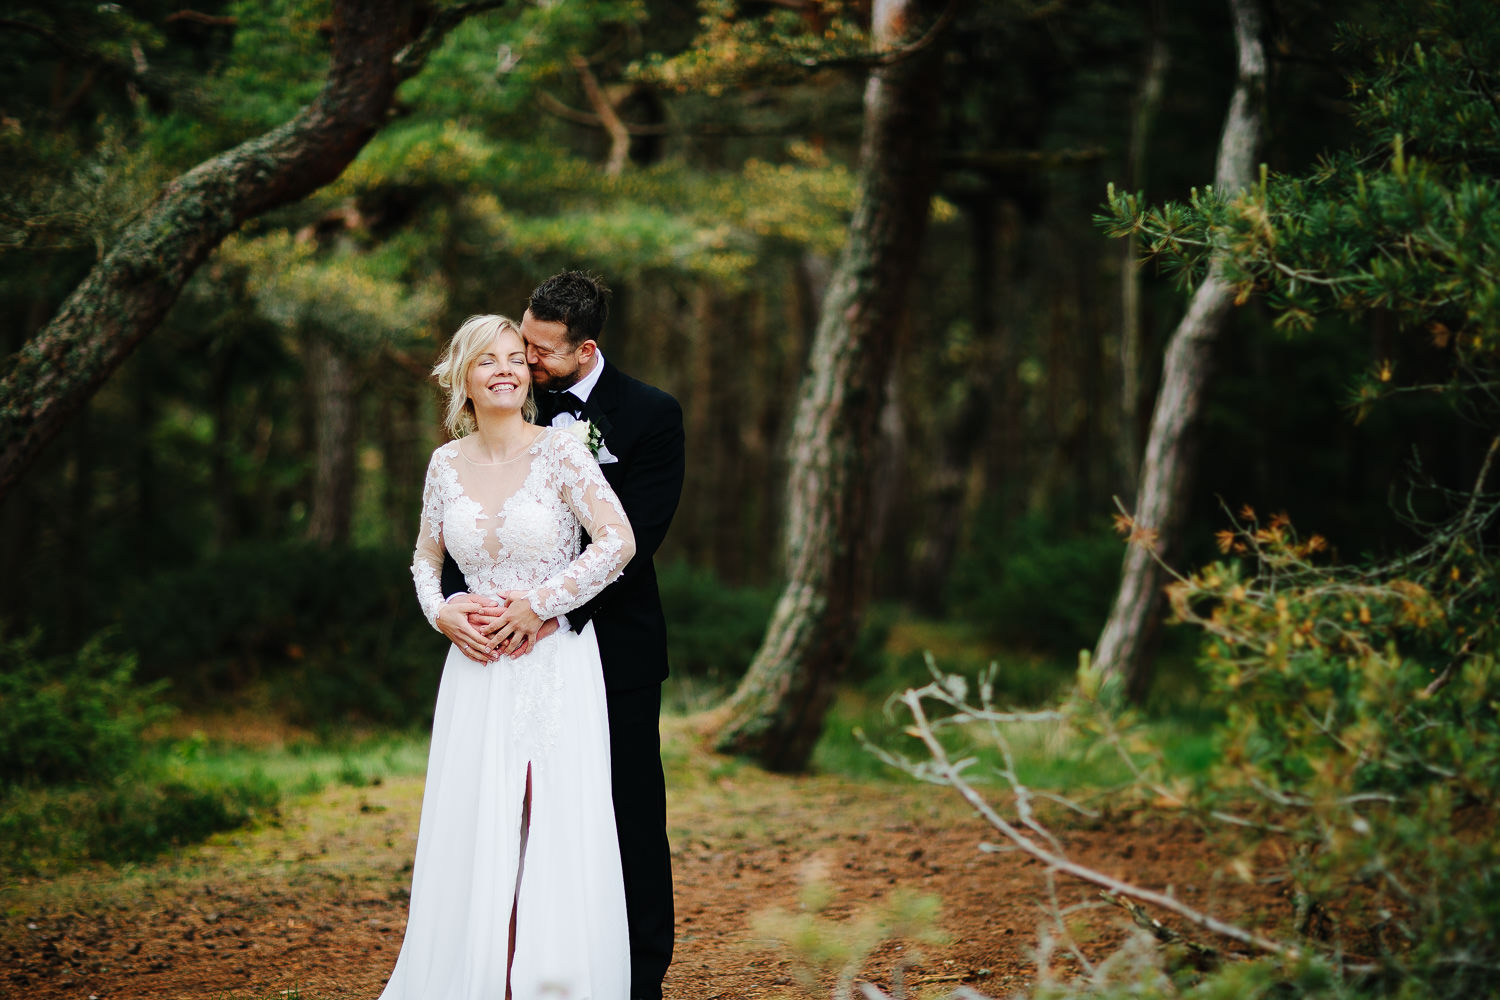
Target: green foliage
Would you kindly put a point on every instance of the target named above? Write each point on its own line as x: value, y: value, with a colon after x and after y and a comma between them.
x: 1036, y: 585
x: 667, y: 219
x: 334, y: 633
x: 1405, y: 222
x: 277, y: 64
x: 60, y: 195
x: 1360, y: 699
x: 78, y: 781
x: 492, y: 67
x: 1361, y: 721
x: 1359, y: 738
x: 361, y: 299
x: 733, y: 49
x: 713, y: 630
x: 1140, y: 970
x: 330, y: 652
x: 76, y: 169
x: 69, y: 719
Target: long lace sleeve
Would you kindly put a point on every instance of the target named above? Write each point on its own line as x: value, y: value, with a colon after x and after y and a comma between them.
x: 591, y: 499
x: 427, y: 558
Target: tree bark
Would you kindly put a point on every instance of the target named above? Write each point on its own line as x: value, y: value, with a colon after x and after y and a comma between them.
x: 1167, y: 467
x: 777, y: 711
x: 126, y: 295
x: 1147, y: 102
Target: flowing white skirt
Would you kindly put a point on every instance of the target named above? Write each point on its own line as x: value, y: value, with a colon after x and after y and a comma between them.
x: 545, y: 711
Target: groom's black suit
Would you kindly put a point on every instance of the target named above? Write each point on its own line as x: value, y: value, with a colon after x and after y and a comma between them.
x: 642, y: 427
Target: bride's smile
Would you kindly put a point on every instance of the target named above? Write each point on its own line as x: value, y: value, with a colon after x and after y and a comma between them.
x: 500, y: 375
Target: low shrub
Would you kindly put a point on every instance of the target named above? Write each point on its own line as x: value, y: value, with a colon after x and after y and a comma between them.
x: 1360, y: 719
x: 78, y: 780
x: 69, y: 719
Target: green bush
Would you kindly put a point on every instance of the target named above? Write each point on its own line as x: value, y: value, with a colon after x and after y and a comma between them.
x: 1360, y: 720
x: 79, y: 782
x: 1037, y: 585
x: 335, y: 634
x: 136, y: 822
x: 69, y: 719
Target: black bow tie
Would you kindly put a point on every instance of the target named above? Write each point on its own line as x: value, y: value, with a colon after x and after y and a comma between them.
x: 566, y: 402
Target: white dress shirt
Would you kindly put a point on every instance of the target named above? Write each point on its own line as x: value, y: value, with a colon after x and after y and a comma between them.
x: 582, y: 388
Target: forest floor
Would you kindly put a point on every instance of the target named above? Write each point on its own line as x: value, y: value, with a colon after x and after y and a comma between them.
x: 312, y: 904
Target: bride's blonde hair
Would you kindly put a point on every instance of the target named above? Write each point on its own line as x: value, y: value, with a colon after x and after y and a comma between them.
x: 452, y: 370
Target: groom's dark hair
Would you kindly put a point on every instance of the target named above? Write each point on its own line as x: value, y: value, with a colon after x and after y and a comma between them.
x: 577, y: 300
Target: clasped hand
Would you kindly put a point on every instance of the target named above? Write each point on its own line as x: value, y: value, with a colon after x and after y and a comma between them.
x: 487, y: 628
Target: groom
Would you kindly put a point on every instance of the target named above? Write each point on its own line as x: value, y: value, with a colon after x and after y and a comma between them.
x: 641, y: 455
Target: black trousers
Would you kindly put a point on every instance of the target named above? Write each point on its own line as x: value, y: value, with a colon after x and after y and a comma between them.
x: 640, y: 796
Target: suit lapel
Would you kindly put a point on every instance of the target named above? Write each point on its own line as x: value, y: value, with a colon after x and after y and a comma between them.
x: 604, y: 400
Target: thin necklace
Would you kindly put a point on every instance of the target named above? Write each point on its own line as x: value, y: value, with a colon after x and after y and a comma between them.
x: 503, y: 461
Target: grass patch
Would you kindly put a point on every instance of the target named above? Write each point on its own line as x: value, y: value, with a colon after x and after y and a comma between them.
x: 180, y: 792
x: 306, y: 766
x: 133, y: 818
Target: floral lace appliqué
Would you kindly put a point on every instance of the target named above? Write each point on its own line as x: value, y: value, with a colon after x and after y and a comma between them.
x: 511, y: 527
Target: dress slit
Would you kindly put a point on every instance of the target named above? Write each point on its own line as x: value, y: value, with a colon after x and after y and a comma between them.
x: 515, y: 902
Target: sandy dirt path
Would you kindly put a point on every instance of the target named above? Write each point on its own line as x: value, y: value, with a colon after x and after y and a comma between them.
x: 314, y: 905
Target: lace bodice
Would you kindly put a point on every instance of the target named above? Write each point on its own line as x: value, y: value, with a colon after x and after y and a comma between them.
x: 517, y: 525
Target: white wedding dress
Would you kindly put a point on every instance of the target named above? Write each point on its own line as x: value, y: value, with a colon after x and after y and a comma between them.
x: 515, y: 525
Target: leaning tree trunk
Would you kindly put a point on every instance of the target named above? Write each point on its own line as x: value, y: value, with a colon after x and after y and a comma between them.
x: 124, y: 297
x: 1147, y: 103
x: 777, y: 712
x: 1167, y: 467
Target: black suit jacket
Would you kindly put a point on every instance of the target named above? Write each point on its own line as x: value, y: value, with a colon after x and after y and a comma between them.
x: 642, y: 427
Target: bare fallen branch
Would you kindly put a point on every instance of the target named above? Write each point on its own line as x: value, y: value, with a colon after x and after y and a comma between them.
x: 1159, y: 930
x: 952, y: 773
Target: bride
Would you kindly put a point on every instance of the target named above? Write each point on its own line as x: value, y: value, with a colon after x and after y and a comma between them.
x: 516, y: 888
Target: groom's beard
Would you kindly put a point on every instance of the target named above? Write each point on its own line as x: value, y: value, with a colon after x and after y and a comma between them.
x: 551, y: 382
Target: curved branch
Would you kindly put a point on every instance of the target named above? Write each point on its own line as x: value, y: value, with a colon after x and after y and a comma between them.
x: 198, y: 17
x: 619, y: 135
x: 129, y: 291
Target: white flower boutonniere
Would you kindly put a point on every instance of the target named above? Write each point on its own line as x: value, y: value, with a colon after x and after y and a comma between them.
x: 587, y: 434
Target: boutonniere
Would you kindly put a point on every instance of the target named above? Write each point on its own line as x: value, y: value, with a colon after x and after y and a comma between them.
x: 587, y: 434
